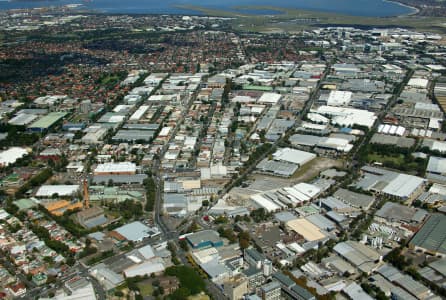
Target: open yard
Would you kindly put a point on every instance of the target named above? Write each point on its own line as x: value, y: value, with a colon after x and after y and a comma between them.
x: 145, y: 287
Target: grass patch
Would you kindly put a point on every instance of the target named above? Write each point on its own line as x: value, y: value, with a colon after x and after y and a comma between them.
x: 374, y: 157
x: 145, y: 288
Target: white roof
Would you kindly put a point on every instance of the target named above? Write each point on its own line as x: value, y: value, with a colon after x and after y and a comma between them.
x: 339, y: 98
x: 348, y: 116
x: 10, y: 155
x: 439, y: 146
x: 271, y: 98
x: 146, y: 252
x: 139, y: 113
x: 436, y: 165
x: 143, y: 269
x: 267, y: 204
x: 243, y: 99
x: 317, y: 118
x: 308, y: 189
x: 116, y: 167
x: 164, y: 131
x: 61, y: 190
x: 418, y: 83
x: 293, y: 156
x: 403, y: 185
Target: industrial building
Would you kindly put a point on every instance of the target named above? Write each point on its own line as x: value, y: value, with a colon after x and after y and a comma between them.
x: 359, y: 255
x: 289, y: 196
x: 392, y: 184
x: 306, y: 229
x: 436, y: 169
x: 11, y: 155
x: 137, y: 231
x: 46, y: 122
x: 120, y: 168
x: 204, y: 239
x: 271, y: 291
x: 396, y: 214
x: 431, y: 238
x: 60, y: 190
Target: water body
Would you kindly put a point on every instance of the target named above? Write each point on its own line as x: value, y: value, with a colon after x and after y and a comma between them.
x: 369, y: 8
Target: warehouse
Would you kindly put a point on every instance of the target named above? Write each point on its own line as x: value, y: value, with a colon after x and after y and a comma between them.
x: 362, y: 257
x: 277, y: 168
x: 436, y: 169
x: 133, y: 136
x: 339, y: 98
x: 139, y: 113
x: 137, y: 232
x: 11, y: 155
x: 306, y: 229
x: 121, y: 168
x: 347, y: 117
x: 401, y: 142
x: 22, y: 119
x: 144, y: 268
x: 396, y: 185
x: 396, y: 214
x: 354, y: 199
x: 60, y: 190
x: 432, y: 236
x: 46, y: 122
x: 269, y: 98
x: 94, y: 135
x: 204, y: 239
x: 293, y: 156
x: 119, y: 179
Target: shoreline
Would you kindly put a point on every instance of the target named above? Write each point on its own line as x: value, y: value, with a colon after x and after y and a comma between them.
x: 413, y: 13
x: 414, y: 10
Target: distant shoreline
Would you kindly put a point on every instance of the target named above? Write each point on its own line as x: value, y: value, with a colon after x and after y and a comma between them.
x: 413, y: 10
x: 413, y: 13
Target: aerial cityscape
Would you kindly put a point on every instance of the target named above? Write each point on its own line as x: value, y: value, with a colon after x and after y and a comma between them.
x: 198, y: 150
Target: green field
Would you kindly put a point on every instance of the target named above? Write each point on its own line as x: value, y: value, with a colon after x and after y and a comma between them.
x: 399, y: 160
x: 145, y: 288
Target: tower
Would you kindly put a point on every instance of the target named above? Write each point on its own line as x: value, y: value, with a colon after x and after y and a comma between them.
x: 86, y: 195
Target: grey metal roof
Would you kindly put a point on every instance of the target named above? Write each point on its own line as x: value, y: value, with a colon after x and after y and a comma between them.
x: 203, y: 236
x: 436, y: 165
x: 432, y: 235
x: 321, y: 222
x: 134, y: 231
x: 354, y: 199
x: 137, y: 178
x: 273, y: 285
x: 283, y: 279
x: 305, y: 139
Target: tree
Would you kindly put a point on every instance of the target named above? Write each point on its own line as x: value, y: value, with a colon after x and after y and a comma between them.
x: 184, y: 245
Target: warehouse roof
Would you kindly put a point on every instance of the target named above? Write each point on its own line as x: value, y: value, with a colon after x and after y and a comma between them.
x: 271, y: 98
x: 135, y: 231
x: 115, y: 167
x: 354, y: 291
x: 436, y: 165
x: 308, y: 230
x: 358, y: 254
x: 354, y: 199
x: 396, y: 212
x: 203, y: 236
x: 348, y: 116
x: 432, y: 235
x: 48, y: 120
x: 403, y: 185
x: 10, y: 155
x: 293, y: 156
x: 61, y: 190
